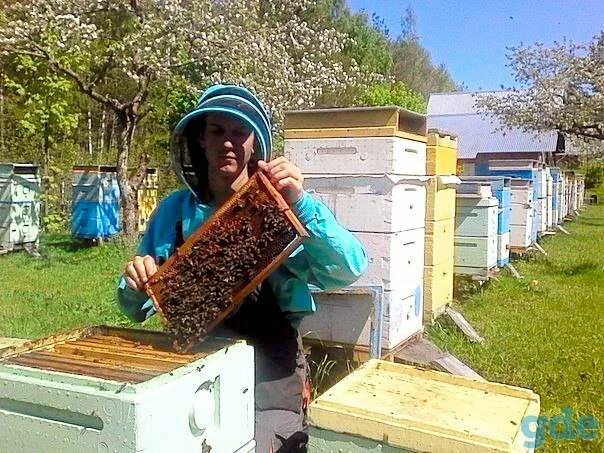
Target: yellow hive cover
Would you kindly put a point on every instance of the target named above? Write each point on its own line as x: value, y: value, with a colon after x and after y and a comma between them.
x: 411, y: 408
x: 386, y: 121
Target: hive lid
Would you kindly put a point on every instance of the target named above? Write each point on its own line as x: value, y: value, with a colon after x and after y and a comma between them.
x: 441, y: 138
x: 407, y: 407
x: 386, y: 121
x: 109, y: 353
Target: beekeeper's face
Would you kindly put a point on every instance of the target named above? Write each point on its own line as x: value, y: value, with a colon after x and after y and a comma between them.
x: 228, y: 144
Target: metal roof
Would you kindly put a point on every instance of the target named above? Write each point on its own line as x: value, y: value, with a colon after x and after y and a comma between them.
x: 476, y: 133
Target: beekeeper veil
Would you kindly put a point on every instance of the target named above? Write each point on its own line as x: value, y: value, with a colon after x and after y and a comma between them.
x: 188, y: 157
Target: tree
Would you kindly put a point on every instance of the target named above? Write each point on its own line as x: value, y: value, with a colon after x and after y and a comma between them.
x: 119, y: 52
x: 392, y: 94
x: 561, y: 88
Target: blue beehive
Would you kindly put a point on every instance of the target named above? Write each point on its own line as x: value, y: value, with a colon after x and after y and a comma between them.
x: 525, y: 169
x: 96, y: 202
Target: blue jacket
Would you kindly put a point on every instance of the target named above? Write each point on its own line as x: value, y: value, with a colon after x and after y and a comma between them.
x: 330, y: 258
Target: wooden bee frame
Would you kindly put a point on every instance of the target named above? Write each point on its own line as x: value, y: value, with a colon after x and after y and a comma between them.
x: 260, y: 188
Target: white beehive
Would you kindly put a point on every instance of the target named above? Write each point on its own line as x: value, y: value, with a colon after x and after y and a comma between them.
x: 362, y: 155
x: 115, y: 390
x: 367, y: 166
x: 522, y: 213
x: 503, y: 249
x: 372, y: 203
x: 475, y: 216
x: 396, y: 260
x: 475, y: 253
x: 19, y: 205
x: 346, y: 317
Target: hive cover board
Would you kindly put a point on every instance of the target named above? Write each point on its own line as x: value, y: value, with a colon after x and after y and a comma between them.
x: 123, y: 355
x: 217, y: 267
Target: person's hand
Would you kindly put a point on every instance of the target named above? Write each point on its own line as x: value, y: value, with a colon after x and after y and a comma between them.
x: 285, y: 176
x: 138, y: 271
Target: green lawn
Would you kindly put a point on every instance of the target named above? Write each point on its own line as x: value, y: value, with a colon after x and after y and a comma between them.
x: 65, y: 289
x: 545, y: 332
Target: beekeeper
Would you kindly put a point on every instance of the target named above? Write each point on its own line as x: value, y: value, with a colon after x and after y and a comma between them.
x: 215, y: 149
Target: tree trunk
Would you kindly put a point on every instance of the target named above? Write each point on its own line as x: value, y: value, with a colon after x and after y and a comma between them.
x: 2, y: 113
x: 125, y: 125
x: 124, y: 129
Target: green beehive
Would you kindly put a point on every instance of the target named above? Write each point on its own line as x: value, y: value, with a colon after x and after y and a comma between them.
x: 19, y: 206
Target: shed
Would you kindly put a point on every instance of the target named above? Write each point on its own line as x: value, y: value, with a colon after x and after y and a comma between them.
x: 478, y: 136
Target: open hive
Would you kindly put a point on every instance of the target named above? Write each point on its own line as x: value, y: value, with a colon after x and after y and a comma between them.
x: 224, y: 260
x: 123, y: 355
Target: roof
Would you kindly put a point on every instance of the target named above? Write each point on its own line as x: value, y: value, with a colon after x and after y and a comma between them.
x: 477, y: 133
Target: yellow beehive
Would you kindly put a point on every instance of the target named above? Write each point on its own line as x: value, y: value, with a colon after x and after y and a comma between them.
x: 402, y: 407
x: 439, y: 241
x: 441, y: 157
x: 390, y: 121
x: 440, y: 198
x: 438, y: 289
x: 147, y: 198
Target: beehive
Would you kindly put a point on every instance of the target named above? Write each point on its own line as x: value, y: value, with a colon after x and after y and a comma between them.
x: 19, y: 206
x: 110, y: 389
x: 438, y: 288
x: 476, y: 216
x: 95, y: 202
x: 367, y: 166
x: 525, y: 169
x: 147, y: 198
x: 439, y: 250
x: 441, y: 158
x: 391, y: 407
x: 396, y: 260
x: 351, y: 317
x: 226, y: 258
x: 372, y: 203
x: 501, y: 189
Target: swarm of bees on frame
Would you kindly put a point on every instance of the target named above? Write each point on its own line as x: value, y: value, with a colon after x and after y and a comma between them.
x: 200, y: 285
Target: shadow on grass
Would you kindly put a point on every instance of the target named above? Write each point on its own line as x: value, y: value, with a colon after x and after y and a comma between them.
x: 571, y: 270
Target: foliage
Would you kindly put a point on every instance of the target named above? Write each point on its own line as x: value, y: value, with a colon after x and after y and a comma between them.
x: 594, y: 175
x: 118, y: 52
x: 392, y: 94
x: 560, y: 88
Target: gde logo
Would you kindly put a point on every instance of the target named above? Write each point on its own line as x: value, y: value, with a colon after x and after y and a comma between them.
x: 560, y: 427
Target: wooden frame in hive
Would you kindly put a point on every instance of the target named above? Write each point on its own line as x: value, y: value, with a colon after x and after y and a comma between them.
x: 260, y: 188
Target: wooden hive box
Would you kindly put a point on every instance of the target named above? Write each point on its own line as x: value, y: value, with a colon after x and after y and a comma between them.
x: 396, y: 260
x: 475, y: 253
x: 391, y: 407
x: 147, y: 198
x: 438, y: 289
x: 441, y: 154
x: 372, y: 140
x: 113, y: 389
x: 372, y: 203
x: 239, y: 246
x: 476, y: 216
x: 439, y: 241
x: 440, y: 197
x: 346, y: 318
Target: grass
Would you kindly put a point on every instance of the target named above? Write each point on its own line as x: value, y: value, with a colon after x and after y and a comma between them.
x: 545, y: 332
x: 65, y: 289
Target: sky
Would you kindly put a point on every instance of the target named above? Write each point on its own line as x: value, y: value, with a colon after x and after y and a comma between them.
x: 470, y: 37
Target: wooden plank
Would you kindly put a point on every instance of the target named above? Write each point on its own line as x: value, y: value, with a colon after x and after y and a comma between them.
x: 464, y: 325
x: 351, y: 132
x: 424, y: 353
